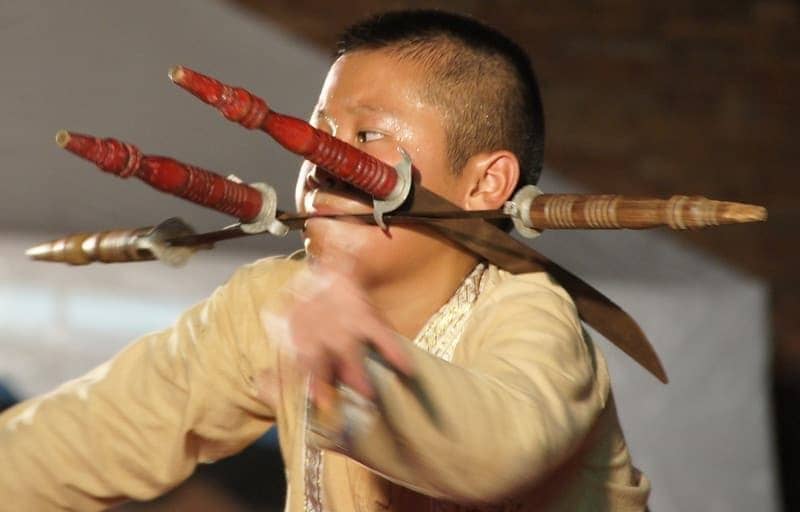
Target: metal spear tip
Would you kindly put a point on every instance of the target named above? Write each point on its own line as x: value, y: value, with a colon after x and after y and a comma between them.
x: 40, y: 252
x: 62, y: 138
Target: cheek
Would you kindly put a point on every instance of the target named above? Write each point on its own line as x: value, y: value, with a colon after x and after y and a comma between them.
x: 333, y: 240
x: 434, y: 167
x: 374, y: 253
x: 445, y: 185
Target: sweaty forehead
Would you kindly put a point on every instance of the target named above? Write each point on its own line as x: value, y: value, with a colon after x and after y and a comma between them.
x: 372, y: 81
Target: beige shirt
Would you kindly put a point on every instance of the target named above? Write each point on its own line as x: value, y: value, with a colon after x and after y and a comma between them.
x: 518, y: 413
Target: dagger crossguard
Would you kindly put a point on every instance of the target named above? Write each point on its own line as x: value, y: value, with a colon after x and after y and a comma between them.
x: 382, y: 206
x: 348, y: 163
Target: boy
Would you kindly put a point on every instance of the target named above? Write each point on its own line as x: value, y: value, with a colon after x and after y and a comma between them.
x: 497, y: 403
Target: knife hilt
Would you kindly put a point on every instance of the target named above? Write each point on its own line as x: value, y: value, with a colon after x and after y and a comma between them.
x: 121, y: 246
x: 532, y: 211
x: 254, y: 205
x: 113, y: 246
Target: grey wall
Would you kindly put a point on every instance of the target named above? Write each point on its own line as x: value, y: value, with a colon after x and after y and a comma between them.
x: 100, y: 68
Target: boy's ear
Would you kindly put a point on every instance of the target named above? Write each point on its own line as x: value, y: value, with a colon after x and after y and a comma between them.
x: 492, y: 177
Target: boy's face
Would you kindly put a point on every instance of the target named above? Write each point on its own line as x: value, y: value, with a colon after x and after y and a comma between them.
x: 375, y: 102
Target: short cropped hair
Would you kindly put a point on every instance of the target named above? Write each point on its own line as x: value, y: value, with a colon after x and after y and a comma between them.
x: 481, y: 79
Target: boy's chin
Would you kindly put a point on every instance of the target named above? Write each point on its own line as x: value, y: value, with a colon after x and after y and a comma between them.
x: 339, y: 239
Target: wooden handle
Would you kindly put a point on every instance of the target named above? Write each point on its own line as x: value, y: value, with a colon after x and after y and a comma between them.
x: 110, y: 155
x: 348, y: 163
x: 115, y: 246
x: 236, y: 104
x: 587, y: 211
x: 201, y: 187
x: 197, y: 185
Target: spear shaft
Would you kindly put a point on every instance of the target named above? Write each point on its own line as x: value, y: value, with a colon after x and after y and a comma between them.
x: 547, y: 213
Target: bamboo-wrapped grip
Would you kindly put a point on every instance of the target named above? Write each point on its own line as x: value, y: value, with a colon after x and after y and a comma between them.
x: 197, y: 185
x: 586, y: 211
x: 115, y: 246
x: 348, y: 163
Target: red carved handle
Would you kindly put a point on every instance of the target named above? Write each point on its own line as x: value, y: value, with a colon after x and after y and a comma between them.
x: 350, y: 164
x: 197, y: 185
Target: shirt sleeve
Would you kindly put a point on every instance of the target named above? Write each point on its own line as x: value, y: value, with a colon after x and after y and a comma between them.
x: 520, y: 397
x: 137, y: 425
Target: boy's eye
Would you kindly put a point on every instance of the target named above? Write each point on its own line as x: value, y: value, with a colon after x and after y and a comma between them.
x: 368, y: 136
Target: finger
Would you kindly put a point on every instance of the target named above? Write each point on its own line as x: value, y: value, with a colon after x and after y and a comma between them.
x: 392, y: 351
x: 351, y: 371
x: 321, y: 388
x: 313, y: 359
x: 389, y: 345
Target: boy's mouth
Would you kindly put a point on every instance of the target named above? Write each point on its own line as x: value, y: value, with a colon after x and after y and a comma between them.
x: 326, y: 195
x: 323, y: 202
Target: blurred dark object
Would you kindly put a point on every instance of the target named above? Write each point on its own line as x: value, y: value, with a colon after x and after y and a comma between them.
x: 256, y: 475
x: 251, y: 481
x: 7, y: 398
x: 786, y: 388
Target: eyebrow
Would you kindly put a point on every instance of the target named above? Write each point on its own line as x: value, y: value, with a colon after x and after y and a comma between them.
x: 322, y: 114
x: 374, y: 110
x: 369, y: 108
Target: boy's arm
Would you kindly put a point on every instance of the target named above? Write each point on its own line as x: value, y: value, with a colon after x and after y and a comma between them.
x: 137, y: 425
x: 521, y: 398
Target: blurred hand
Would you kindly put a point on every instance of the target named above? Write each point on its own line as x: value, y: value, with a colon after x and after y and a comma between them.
x: 331, y: 327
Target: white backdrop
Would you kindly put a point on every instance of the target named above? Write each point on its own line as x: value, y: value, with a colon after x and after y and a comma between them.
x: 100, y: 68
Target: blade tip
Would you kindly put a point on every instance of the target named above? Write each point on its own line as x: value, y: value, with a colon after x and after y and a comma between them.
x: 37, y: 251
x: 658, y: 371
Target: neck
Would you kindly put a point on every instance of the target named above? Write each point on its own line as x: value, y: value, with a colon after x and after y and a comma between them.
x: 408, y: 303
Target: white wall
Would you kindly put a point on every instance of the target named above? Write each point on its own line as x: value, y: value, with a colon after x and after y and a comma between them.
x: 100, y: 68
